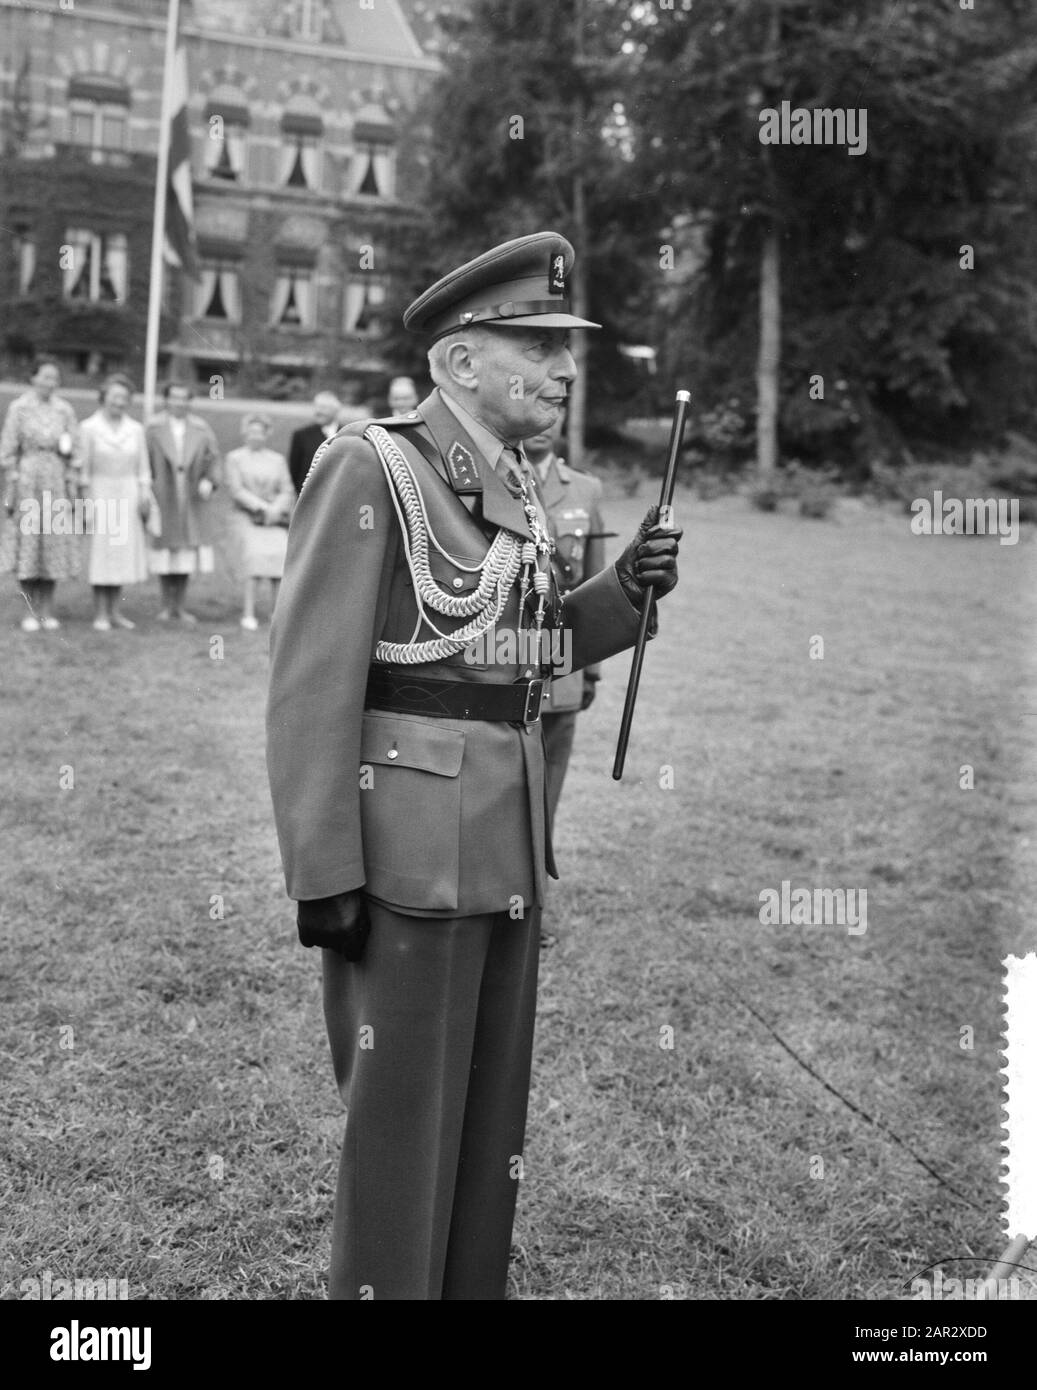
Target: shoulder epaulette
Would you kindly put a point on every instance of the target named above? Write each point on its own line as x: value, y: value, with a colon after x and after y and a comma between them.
x: 396, y: 422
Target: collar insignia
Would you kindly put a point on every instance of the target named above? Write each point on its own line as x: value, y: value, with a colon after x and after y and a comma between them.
x: 464, y: 472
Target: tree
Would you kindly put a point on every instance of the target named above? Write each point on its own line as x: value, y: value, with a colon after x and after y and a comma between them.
x: 528, y: 130
x: 877, y: 297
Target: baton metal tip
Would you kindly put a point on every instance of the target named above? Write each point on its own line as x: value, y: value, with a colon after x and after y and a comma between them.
x: 684, y: 396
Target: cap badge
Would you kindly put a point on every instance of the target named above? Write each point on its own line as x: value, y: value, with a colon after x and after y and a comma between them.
x: 556, y: 275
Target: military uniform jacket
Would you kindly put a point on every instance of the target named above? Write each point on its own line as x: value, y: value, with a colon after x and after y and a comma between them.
x: 572, y: 501
x: 435, y: 817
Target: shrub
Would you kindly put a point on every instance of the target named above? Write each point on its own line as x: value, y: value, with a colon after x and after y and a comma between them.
x: 765, y: 497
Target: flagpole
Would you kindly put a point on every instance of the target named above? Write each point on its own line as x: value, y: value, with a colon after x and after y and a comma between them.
x: 158, y: 231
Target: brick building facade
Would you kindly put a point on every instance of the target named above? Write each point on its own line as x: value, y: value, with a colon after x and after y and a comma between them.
x: 303, y: 164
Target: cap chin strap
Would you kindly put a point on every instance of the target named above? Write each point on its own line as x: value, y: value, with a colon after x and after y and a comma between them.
x: 509, y: 309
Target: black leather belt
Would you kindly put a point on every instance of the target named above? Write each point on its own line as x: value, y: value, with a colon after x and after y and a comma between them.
x: 395, y: 693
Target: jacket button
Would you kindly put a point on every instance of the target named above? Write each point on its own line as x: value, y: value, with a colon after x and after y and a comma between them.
x: 458, y: 582
x: 393, y: 753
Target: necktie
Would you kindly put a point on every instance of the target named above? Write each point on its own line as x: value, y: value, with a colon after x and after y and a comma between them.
x: 513, y: 474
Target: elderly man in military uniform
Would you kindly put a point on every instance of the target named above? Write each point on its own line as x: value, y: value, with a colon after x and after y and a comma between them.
x: 407, y: 769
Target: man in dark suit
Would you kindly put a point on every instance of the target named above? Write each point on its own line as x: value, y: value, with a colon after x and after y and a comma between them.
x: 407, y: 769
x: 306, y: 441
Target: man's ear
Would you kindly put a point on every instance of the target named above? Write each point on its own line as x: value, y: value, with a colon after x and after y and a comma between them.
x: 462, y: 364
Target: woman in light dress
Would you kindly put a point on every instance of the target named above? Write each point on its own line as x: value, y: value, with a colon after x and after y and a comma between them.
x: 261, y: 489
x: 39, y: 456
x: 116, y: 479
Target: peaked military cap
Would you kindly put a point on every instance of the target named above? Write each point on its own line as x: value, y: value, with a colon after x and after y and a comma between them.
x: 521, y: 283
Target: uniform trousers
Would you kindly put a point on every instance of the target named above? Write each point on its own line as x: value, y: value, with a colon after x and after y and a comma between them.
x: 431, y: 1039
x: 559, y: 731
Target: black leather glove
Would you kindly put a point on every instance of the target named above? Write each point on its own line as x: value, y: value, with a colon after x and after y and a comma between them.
x: 590, y: 689
x: 339, y: 924
x: 650, y: 560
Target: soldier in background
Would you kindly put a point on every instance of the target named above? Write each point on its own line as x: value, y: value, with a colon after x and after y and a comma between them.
x: 572, y: 501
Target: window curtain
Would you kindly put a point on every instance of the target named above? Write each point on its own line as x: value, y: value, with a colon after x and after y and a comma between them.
x: 311, y: 163
x: 231, y: 290
x: 204, y: 287
x: 226, y: 158
x: 304, y: 297
x: 382, y: 161
x: 373, y: 171
x: 75, y: 274
x: 235, y: 142
x: 292, y: 303
x: 279, y: 298
x: 114, y: 273
x: 26, y: 264
x: 356, y: 298
x: 293, y: 172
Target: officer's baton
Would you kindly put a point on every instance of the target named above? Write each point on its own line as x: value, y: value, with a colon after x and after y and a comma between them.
x: 665, y: 502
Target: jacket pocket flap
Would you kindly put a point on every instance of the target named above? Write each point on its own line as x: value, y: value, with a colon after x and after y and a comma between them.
x: 392, y: 741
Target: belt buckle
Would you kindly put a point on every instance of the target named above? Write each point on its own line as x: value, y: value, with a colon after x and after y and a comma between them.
x: 534, y: 699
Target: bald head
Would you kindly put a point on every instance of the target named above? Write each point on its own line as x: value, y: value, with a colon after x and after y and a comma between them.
x: 326, y: 406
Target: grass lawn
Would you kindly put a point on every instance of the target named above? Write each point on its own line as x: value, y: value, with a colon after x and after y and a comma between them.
x: 171, y: 1117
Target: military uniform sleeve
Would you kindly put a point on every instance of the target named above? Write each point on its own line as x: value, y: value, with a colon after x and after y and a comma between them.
x: 601, y: 619
x: 342, y: 547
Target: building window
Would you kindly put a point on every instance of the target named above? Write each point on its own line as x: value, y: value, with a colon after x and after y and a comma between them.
x: 98, y: 127
x: 25, y: 259
x: 309, y: 20
x: 95, y: 266
x: 218, y: 292
x: 365, y: 297
x: 373, y: 171
x: 303, y: 133
x: 225, y: 158
x: 291, y: 304
x: 225, y: 147
x: 301, y: 162
x: 98, y: 108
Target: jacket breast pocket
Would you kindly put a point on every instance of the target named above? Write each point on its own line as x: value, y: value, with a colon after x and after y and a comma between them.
x: 410, y: 810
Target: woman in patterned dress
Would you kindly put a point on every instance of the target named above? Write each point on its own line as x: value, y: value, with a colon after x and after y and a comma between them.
x: 117, y: 480
x: 262, y: 491
x: 39, y: 457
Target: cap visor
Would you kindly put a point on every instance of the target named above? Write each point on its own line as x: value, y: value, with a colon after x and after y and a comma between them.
x: 539, y: 321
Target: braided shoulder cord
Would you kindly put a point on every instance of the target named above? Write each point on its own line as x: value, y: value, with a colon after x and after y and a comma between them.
x: 484, y: 605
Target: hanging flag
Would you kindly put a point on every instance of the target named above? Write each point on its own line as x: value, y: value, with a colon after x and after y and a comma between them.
x: 180, y: 242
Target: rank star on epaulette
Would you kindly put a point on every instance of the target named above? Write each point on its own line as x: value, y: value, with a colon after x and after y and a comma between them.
x: 464, y: 473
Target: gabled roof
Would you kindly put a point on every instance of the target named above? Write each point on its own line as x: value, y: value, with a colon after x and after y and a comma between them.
x: 380, y: 31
